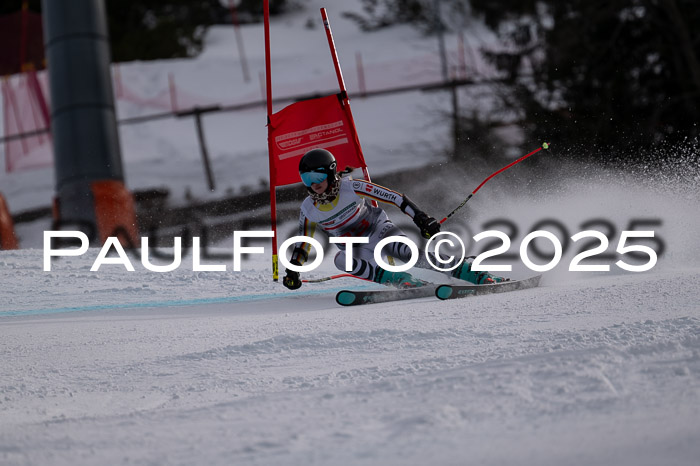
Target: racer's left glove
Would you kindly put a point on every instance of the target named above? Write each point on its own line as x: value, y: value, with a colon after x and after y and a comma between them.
x: 428, y: 225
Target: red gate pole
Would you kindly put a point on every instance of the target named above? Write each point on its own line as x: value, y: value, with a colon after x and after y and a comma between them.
x: 273, y: 175
x: 343, y: 90
x: 346, y: 101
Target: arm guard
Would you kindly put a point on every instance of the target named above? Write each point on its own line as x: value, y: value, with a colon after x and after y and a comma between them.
x: 408, y: 207
x: 299, y: 256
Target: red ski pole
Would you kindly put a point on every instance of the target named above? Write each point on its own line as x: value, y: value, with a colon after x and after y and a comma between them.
x: 544, y: 146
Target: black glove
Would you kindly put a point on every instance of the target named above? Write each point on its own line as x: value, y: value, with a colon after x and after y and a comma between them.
x: 292, y: 280
x: 428, y: 225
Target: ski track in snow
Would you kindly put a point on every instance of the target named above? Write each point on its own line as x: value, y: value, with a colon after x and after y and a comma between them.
x: 613, y: 376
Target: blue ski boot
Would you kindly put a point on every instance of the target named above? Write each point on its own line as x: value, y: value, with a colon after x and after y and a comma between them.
x: 400, y: 280
x: 464, y: 272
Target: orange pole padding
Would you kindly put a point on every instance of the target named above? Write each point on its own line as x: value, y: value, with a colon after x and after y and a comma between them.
x: 115, y: 213
x: 8, y: 240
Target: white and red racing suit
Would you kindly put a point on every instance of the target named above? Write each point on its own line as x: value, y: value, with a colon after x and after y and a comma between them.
x: 352, y: 214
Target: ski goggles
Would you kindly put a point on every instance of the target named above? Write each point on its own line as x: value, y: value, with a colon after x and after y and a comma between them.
x: 309, y: 178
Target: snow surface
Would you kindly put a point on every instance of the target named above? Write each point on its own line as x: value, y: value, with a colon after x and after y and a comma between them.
x: 117, y: 367
x: 229, y: 368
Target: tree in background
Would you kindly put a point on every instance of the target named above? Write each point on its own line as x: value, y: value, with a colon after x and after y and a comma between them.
x: 379, y: 14
x: 620, y: 74
x: 12, y: 6
x: 252, y: 10
x: 153, y: 29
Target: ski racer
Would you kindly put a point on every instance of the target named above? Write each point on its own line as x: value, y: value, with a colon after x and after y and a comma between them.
x: 339, y: 206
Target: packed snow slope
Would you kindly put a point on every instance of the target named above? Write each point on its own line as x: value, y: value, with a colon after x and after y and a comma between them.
x: 135, y: 368
x: 219, y: 368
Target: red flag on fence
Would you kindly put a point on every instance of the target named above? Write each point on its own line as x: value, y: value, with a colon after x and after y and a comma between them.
x: 311, y: 124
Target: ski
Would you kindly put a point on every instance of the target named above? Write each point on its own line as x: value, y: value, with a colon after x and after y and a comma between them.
x: 463, y: 291
x: 354, y: 298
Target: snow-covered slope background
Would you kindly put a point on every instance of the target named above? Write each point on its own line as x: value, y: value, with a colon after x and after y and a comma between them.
x: 117, y: 367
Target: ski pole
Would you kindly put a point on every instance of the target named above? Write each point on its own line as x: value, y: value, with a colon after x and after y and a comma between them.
x: 544, y: 146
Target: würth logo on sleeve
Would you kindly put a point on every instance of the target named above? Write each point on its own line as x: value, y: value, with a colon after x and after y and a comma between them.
x: 388, y: 195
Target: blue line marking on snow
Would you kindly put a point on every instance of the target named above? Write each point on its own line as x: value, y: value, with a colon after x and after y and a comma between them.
x: 175, y: 302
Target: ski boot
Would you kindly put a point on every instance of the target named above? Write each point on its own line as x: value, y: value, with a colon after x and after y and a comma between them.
x: 401, y: 280
x: 464, y: 272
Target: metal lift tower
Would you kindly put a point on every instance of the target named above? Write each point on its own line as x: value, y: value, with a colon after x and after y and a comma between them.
x: 90, y: 190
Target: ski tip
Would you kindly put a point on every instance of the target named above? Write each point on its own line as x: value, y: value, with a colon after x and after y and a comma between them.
x: 345, y: 298
x: 545, y: 145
